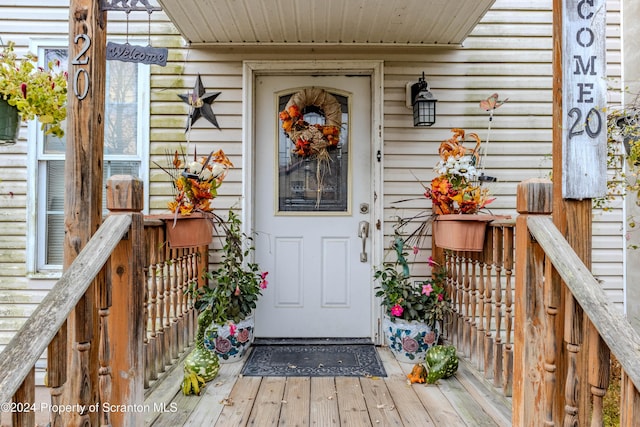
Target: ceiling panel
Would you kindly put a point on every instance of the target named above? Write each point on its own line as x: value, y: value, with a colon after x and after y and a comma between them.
x: 344, y: 22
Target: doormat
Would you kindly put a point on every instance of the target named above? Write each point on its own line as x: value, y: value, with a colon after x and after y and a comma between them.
x: 309, y: 359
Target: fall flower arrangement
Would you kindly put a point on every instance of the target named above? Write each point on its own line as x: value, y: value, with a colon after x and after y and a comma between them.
x: 457, y: 189
x: 36, y: 92
x: 308, y: 139
x: 402, y: 299
x: 196, y: 183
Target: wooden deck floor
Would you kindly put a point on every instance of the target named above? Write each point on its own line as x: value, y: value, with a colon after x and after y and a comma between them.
x: 231, y: 400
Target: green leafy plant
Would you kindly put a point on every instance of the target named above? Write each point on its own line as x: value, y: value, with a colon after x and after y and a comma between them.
x: 35, y: 91
x: 623, y: 158
x: 237, y: 283
x: 402, y: 298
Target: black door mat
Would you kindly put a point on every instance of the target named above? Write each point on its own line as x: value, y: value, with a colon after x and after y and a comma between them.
x: 297, y: 358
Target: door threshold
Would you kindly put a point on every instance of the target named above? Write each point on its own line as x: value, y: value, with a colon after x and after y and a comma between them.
x: 312, y: 341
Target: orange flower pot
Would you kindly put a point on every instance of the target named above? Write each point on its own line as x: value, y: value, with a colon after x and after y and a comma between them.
x: 188, y: 231
x: 461, y: 232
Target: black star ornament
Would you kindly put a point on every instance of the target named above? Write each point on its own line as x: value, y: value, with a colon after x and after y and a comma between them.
x: 200, y: 103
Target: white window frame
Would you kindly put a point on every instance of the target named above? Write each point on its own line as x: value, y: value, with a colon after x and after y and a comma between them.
x: 36, y: 181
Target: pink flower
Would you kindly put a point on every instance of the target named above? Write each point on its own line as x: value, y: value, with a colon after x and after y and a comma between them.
x: 440, y: 297
x: 264, y: 282
x: 23, y: 88
x: 223, y: 345
x: 410, y: 345
x: 232, y: 329
x: 397, y: 310
x: 430, y: 337
x: 427, y: 289
x: 415, y: 250
x: 431, y: 262
x: 237, y: 292
x: 243, y: 335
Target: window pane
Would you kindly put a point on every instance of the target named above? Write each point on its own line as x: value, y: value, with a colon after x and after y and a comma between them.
x: 303, y: 184
x: 53, y: 144
x: 121, y: 109
x: 54, y: 212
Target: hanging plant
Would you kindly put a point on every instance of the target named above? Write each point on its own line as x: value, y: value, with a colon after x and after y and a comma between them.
x: 623, y: 159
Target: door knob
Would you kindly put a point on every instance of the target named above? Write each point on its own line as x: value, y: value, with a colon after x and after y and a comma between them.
x: 363, y: 233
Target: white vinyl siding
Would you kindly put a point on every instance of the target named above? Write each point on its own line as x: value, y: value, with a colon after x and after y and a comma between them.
x: 509, y: 52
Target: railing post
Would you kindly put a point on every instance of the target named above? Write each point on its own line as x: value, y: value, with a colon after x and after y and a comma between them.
x: 125, y: 348
x: 533, y: 368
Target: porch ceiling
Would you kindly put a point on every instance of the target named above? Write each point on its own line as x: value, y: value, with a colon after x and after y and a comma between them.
x: 335, y: 22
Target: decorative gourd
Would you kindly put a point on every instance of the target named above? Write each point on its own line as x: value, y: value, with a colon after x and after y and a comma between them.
x: 201, y: 365
x: 418, y: 374
x: 442, y: 362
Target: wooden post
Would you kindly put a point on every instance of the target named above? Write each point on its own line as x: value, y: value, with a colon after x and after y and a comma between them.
x: 126, y: 319
x: 533, y: 198
x: 83, y: 197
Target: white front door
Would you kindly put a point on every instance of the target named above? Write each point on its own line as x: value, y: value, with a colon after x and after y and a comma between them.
x: 308, y: 239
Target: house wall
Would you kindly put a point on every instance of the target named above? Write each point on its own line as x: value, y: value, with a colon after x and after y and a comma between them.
x: 509, y: 52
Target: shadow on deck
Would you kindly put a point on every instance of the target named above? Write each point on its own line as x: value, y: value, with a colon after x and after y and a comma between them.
x: 232, y: 400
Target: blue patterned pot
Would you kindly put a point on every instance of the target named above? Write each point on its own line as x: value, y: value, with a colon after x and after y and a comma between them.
x: 409, y: 341
x: 230, y: 348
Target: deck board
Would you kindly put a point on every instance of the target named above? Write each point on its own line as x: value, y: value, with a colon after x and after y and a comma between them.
x: 351, y: 405
x: 232, y: 400
x: 324, y: 402
x: 296, y: 402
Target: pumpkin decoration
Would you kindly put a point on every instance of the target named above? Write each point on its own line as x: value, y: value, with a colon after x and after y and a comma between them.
x: 441, y: 361
x: 418, y: 374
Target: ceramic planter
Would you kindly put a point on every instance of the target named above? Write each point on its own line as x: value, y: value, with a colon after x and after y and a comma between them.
x: 9, y: 123
x: 461, y: 232
x: 409, y: 340
x: 188, y: 231
x: 228, y: 347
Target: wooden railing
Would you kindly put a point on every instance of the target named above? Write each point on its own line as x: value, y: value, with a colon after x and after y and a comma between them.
x: 128, y: 279
x: 540, y: 328
x: 567, y: 327
x: 169, y: 314
x: 480, y: 285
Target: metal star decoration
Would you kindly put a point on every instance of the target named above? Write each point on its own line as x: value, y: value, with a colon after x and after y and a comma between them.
x: 200, y: 103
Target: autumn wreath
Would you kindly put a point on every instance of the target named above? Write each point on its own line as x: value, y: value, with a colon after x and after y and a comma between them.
x: 312, y: 140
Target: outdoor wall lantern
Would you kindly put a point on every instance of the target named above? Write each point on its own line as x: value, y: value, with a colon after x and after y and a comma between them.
x: 423, y: 102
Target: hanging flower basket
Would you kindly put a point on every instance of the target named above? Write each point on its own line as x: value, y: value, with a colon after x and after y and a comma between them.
x: 9, y: 123
x: 188, y: 231
x: 460, y: 232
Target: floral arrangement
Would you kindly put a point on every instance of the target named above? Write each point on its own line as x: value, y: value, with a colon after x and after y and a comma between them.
x: 196, y: 183
x: 308, y: 139
x: 36, y: 92
x: 457, y: 189
x: 423, y: 302
x: 236, y: 284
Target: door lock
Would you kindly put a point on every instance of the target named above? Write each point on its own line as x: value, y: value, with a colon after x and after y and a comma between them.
x: 363, y: 233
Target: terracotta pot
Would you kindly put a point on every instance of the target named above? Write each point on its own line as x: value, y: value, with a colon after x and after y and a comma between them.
x: 188, y: 231
x: 9, y: 123
x: 461, y: 232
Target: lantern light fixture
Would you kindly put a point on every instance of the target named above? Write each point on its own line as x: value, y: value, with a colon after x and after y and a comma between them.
x: 423, y: 102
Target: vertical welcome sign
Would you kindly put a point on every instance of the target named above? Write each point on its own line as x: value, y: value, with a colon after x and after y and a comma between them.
x: 584, y: 89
